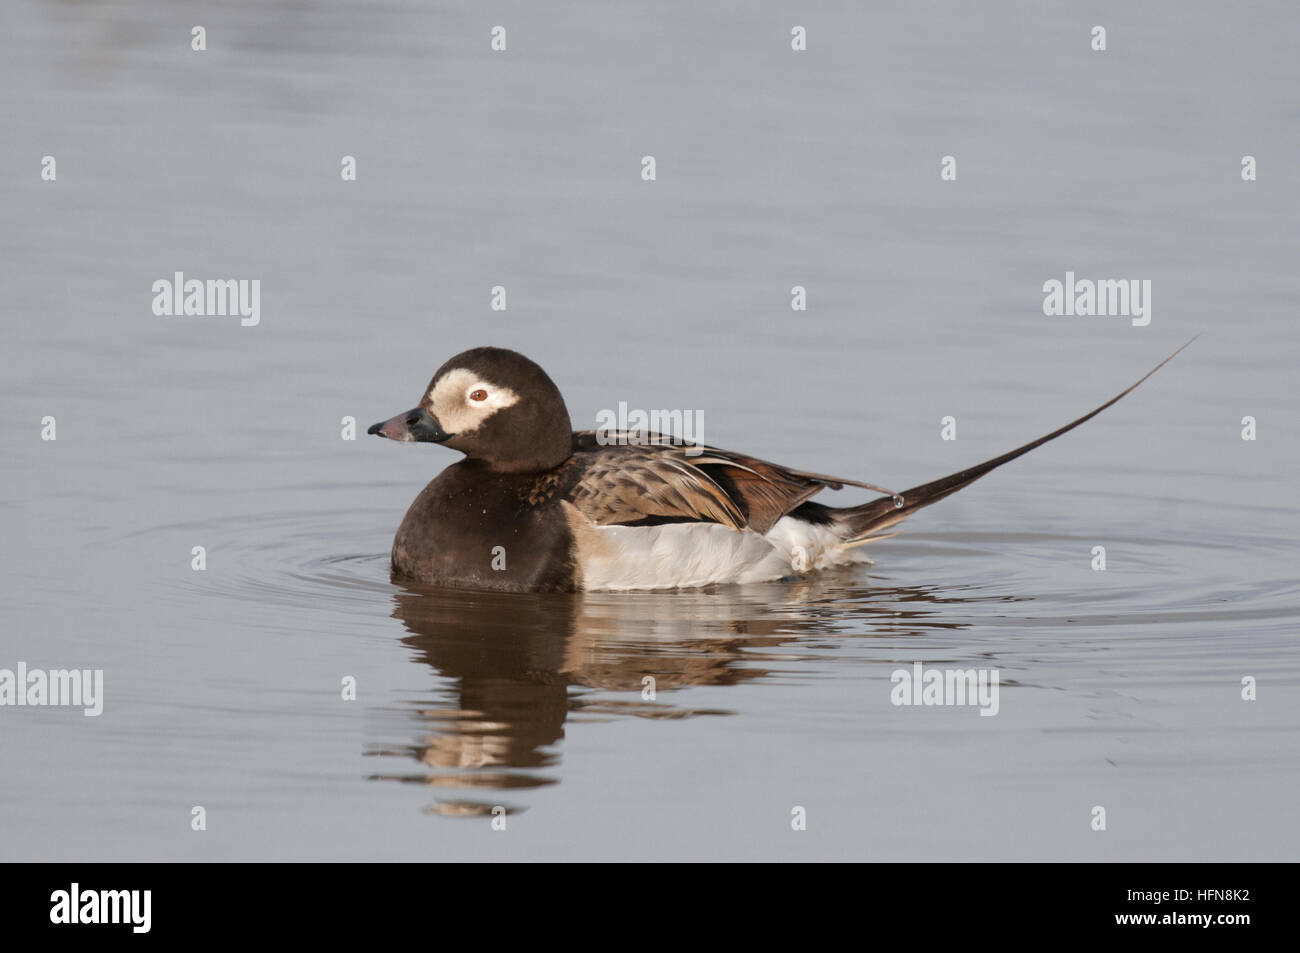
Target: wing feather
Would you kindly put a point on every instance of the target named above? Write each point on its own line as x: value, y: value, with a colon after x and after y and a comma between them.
x: 659, y: 480
x: 636, y: 484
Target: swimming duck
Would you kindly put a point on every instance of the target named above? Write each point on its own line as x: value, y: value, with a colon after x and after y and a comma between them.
x: 536, y: 507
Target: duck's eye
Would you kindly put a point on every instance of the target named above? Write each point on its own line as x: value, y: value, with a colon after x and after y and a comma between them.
x: 479, y: 394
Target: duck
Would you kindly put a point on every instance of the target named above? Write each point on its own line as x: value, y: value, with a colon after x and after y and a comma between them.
x: 534, y: 506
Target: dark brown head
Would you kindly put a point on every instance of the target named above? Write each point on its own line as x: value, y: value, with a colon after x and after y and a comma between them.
x: 494, y: 405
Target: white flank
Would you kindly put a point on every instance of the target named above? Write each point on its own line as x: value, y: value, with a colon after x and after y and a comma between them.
x: 683, y: 555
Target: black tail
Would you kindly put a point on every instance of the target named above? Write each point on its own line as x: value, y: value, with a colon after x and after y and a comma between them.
x: 861, y: 524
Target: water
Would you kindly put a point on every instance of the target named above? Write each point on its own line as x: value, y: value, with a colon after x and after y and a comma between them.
x: 223, y: 687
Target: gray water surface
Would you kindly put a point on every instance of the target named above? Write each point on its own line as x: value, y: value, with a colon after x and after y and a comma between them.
x: 1120, y: 689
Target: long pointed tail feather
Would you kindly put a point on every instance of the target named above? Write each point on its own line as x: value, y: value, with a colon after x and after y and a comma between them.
x: 860, y: 524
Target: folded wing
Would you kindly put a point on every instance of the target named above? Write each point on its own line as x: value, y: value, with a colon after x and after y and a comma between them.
x: 659, y: 482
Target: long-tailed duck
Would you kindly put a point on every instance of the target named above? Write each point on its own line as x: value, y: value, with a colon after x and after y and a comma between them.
x: 536, y: 507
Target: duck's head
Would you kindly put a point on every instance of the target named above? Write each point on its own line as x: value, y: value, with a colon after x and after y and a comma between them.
x: 493, y: 405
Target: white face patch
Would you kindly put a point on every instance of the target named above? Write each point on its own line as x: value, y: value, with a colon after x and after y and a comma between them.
x: 450, y: 401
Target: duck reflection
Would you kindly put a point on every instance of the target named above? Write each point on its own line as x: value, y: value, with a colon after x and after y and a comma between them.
x: 523, y: 665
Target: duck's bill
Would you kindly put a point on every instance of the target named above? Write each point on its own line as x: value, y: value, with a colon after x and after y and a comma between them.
x: 414, y: 425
